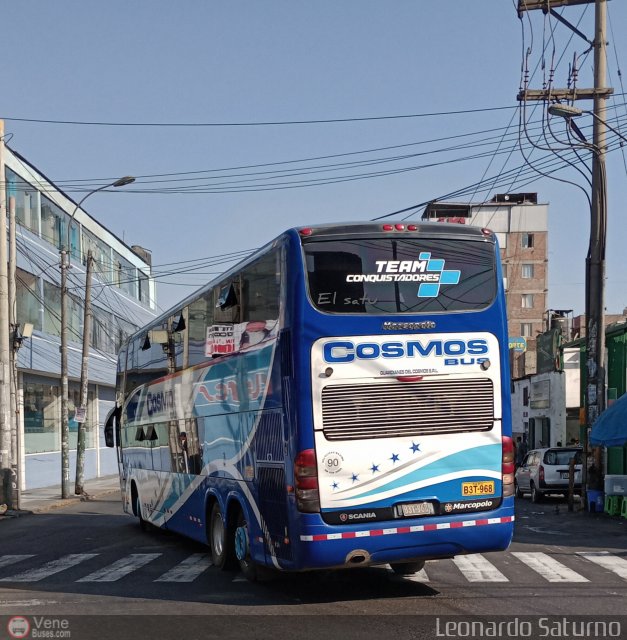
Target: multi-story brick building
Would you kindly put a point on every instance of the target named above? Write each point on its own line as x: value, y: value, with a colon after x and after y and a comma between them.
x: 521, y: 225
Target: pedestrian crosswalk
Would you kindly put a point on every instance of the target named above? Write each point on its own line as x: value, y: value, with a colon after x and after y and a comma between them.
x: 188, y: 570
x: 50, y: 568
x: 608, y: 561
x: 476, y: 568
x: 120, y: 568
x: 549, y: 568
x: 567, y: 568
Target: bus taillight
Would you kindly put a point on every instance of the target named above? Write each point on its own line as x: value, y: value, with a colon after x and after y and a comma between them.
x: 508, y: 466
x: 306, y: 480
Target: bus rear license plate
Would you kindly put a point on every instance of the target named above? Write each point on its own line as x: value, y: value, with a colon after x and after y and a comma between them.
x: 418, y: 509
x: 477, y: 488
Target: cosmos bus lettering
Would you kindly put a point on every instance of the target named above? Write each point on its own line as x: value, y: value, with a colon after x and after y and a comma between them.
x: 159, y: 402
x: 347, y: 351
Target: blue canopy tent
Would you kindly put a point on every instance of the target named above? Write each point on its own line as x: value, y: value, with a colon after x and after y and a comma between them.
x: 610, y: 428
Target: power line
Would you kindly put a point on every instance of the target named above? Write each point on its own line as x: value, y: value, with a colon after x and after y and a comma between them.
x: 255, y: 124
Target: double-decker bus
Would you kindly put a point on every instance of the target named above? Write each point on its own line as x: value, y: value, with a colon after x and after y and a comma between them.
x: 340, y: 398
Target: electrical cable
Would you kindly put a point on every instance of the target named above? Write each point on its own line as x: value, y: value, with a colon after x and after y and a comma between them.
x: 254, y: 124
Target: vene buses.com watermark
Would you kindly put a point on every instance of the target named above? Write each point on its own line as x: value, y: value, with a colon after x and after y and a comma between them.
x: 527, y: 627
x: 19, y: 627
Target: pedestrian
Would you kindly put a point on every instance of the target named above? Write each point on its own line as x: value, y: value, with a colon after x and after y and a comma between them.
x: 520, y: 451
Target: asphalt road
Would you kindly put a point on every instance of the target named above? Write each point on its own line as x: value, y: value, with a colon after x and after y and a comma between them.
x: 91, y: 560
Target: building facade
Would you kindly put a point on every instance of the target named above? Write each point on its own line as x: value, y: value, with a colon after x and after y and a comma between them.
x: 545, y: 406
x: 123, y: 298
x: 521, y: 225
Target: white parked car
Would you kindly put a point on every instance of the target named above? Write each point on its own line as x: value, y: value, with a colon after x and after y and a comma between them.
x: 545, y: 471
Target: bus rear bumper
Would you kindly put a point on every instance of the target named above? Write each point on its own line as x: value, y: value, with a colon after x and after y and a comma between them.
x: 323, y: 546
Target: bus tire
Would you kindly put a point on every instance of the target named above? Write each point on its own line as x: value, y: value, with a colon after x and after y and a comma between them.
x: 136, y: 507
x: 407, y: 568
x: 241, y: 545
x: 218, y: 537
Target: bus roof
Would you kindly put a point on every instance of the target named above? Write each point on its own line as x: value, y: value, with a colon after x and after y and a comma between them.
x: 346, y: 230
x: 385, y: 229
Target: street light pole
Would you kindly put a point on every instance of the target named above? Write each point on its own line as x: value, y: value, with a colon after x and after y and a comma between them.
x: 595, y: 393
x: 65, y: 252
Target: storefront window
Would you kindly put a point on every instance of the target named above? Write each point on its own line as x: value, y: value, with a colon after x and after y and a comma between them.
x: 52, y: 313
x: 52, y: 222
x: 144, y: 288
x: 42, y: 418
x: 75, y: 240
x: 75, y: 319
x: 42, y: 412
x: 26, y: 209
x: 101, y: 331
x: 52, y: 309
x: 125, y: 276
x: 100, y: 252
x: 28, y: 305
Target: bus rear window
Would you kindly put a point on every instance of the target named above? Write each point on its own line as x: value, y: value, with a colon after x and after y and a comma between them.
x: 409, y: 275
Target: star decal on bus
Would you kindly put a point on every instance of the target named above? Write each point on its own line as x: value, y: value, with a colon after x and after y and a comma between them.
x: 415, y: 447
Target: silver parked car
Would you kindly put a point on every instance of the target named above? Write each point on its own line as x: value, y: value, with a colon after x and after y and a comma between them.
x: 545, y: 471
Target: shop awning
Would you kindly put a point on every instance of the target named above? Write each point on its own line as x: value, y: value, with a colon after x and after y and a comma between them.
x: 610, y: 428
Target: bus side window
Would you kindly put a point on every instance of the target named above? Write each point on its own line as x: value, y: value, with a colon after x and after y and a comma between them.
x: 261, y: 290
x: 112, y: 424
x: 199, y: 318
x: 227, y: 299
x: 185, y: 450
x: 130, y: 410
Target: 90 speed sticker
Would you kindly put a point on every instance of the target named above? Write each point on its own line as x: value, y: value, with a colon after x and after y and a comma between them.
x: 332, y: 462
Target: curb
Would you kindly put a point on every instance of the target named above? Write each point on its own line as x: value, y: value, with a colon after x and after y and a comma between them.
x: 45, y: 506
x: 59, y: 504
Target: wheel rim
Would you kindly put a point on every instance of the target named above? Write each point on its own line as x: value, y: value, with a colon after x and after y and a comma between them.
x: 241, y: 543
x: 217, y: 534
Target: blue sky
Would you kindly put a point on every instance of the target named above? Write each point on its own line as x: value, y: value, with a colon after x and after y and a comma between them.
x: 251, y: 61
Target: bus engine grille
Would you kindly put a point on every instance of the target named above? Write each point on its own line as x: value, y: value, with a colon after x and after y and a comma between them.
x: 360, y: 411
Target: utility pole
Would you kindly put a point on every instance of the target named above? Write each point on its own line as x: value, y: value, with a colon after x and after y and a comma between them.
x: 65, y: 427
x: 13, y: 404
x: 80, y: 442
x: 5, y: 369
x: 595, y: 393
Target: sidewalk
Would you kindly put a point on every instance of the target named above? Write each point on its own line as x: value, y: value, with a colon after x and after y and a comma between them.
x: 48, y: 498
